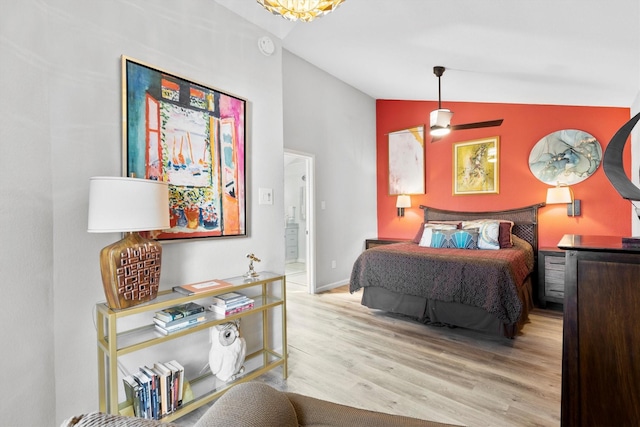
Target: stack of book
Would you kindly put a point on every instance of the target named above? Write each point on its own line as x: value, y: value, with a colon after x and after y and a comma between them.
x: 231, y: 303
x: 179, y: 317
x: 155, y: 391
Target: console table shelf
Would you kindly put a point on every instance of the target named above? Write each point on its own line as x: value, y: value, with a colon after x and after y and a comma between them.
x: 114, y: 340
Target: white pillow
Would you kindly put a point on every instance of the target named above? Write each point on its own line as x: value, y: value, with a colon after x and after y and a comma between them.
x: 488, y: 232
x: 425, y: 241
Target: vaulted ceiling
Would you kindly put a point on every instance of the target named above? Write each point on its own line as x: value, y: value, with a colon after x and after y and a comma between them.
x: 571, y: 52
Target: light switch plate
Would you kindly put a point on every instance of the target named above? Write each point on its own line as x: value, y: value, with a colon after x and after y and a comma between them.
x: 265, y: 196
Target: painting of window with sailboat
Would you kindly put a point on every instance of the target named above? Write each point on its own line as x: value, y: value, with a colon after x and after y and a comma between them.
x: 192, y: 137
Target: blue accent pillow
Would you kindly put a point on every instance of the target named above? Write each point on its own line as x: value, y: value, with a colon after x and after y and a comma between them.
x: 455, y: 239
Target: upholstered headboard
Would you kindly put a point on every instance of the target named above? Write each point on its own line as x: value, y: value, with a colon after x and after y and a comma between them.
x: 525, y: 220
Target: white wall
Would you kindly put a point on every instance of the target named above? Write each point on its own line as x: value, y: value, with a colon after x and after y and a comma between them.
x: 60, y: 123
x: 26, y: 238
x: 335, y: 122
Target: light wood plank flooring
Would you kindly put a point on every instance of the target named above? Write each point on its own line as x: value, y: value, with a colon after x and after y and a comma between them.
x: 344, y: 352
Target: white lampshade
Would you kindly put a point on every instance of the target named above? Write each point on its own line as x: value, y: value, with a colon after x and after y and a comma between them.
x: 120, y: 204
x: 558, y: 194
x: 403, y: 201
x: 440, y: 121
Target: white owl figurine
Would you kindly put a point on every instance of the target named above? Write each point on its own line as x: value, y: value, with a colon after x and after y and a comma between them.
x: 228, y: 350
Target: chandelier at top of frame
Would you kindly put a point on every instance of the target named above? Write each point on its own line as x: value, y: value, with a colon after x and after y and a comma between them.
x: 303, y: 10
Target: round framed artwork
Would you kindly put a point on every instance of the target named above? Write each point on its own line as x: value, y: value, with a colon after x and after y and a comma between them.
x: 566, y: 156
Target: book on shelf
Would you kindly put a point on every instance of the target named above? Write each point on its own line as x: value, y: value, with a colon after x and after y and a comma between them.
x: 179, y: 311
x: 228, y: 299
x: 164, y: 380
x: 235, y: 303
x: 201, y: 287
x: 194, y: 318
x: 132, y: 394
x: 154, y: 391
x: 167, y: 330
x: 175, y: 385
x: 145, y: 393
x: 233, y: 310
x: 179, y: 394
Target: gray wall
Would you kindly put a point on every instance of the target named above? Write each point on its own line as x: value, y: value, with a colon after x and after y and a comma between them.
x: 60, y: 124
x: 26, y: 219
x: 335, y: 122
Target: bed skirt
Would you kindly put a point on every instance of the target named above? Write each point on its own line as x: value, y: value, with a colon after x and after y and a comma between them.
x: 448, y: 313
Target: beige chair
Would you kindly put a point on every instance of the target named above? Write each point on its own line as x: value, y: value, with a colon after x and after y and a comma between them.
x: 256, y: 404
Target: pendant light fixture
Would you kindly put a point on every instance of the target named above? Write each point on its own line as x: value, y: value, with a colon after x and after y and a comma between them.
x: 440, y: 119
x: 303, y: 10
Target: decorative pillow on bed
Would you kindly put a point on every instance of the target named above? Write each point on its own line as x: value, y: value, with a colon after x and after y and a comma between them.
x: 419, y: 234
x: 457, y: 224
x: 458, y: 239
x: 488, y: 232
x: 504, y: 235
x: 427, y: 232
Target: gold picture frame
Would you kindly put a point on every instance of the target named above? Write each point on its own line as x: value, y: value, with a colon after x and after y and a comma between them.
x: 406, y: 161
x: 476, y: 166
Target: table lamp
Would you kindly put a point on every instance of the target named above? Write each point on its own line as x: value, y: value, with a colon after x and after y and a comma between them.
x: 130, y: 267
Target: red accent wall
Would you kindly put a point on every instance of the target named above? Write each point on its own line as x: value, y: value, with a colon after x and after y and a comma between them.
x: 604, y: 212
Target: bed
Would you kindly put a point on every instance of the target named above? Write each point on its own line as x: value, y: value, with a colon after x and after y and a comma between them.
x: 489, y: 291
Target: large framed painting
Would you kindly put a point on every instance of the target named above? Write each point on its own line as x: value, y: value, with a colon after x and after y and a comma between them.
x: 193, y: 137
x: 406, y: 161
x: 476, y: 166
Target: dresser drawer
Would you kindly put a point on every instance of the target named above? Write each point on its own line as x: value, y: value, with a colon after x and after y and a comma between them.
x: 551, y: 276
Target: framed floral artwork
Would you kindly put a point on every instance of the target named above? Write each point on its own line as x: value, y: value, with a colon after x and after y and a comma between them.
x: 476, y: 166
x: 193, y: 137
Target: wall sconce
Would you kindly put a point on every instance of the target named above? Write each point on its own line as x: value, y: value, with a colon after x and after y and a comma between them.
x: 404, y: 201
x: 563, y: 194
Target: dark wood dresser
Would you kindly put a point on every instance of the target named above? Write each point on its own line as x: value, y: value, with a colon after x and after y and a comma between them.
x: 601, y: 337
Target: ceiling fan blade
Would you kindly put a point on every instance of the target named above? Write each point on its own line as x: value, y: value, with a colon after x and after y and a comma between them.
x: 476, y: 125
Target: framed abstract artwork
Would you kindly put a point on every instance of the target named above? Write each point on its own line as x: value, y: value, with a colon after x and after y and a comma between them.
x: 476, y: 166
x: 193, y: 137
x: 568, y: 156
x: 406, y: 161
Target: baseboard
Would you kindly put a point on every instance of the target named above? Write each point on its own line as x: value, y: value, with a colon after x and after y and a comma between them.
x: 333, y: 285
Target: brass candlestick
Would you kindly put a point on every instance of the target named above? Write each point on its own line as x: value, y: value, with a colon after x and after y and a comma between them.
x: 252, y: 272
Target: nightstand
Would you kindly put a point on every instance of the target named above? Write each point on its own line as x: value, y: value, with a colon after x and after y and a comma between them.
x: 370, y: 243
x: 551, y: 262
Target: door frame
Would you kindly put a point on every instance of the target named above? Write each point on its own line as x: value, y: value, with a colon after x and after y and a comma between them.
x: 310, y: 249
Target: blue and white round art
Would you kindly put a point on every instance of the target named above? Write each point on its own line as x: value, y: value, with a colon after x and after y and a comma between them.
x: 567, y: 156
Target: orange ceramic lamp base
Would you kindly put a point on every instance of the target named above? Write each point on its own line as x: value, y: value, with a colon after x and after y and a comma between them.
x: 131, y: 271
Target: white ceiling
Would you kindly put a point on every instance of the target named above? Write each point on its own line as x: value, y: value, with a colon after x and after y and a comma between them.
x: 570, y: 52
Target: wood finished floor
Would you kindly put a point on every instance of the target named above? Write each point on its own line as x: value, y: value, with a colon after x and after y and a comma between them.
x: 344, y: 352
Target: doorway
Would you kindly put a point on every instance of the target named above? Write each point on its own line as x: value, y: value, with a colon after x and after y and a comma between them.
x: 299, y: 200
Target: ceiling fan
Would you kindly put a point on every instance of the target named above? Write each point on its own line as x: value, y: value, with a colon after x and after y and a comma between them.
x: 440, y: 119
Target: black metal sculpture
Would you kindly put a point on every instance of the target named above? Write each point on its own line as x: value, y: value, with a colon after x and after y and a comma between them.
x: 612, y: 162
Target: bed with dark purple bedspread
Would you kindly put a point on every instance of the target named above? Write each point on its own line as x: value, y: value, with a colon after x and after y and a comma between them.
x: 486, y: 290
